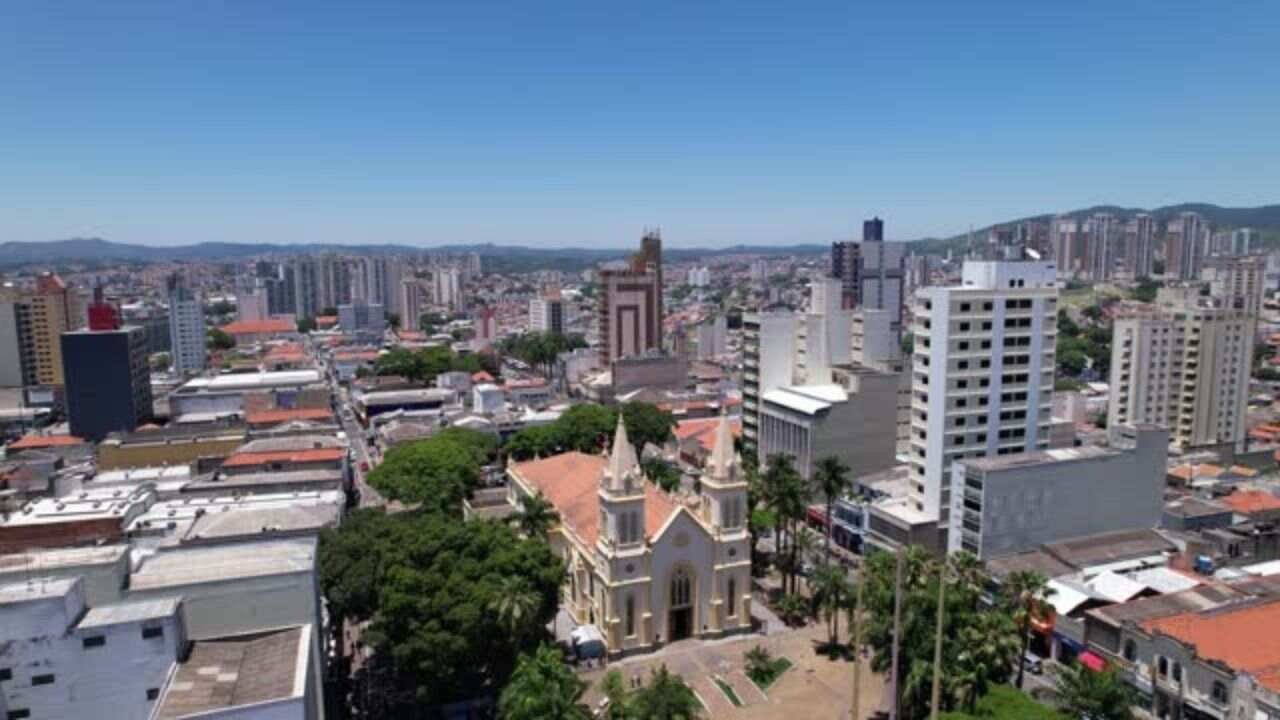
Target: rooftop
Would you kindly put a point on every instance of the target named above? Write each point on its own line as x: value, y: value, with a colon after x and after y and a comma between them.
x: 247, y: 327
x: 20, y: 592
x: 1109, y: 547
x: 1039, y: 457
x: 807, y: 399
x: 1231, y: 636
x: 1247, y: 502
x: 251, y: 381
x: 231, y: 672
x: 281, y: 415
x: 1199, y: 598
x: 253, y: 459
x: 129, y: 612
x: 191, y: 566
x: 34, y: 442
x: 262, y: 522
x: 39, y: 561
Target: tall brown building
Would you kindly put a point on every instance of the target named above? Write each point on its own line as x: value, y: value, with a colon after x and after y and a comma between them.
x: 630, y: 312
x: 47, y: 311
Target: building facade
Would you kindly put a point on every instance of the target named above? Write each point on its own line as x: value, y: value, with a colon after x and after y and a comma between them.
x: 108, y: 381
x: 648, y: 568
x: 186, y: 327
x: 871, y: 272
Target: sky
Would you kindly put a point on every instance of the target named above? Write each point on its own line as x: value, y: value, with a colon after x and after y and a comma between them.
x: 579, y: 124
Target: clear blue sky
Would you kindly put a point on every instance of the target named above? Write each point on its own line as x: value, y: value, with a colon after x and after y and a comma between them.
x: 579, y: 123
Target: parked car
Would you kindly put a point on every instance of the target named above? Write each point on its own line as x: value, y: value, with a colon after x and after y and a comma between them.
x: 1032, y: 664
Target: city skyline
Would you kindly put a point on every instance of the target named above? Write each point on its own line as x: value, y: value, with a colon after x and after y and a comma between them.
x: 577, y: 125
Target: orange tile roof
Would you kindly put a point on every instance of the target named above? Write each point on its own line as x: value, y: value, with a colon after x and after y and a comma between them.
x: 33, y: 442
x: 255, y: 327
x: 281, y: 415
x: 570, y: 481
x: 250, y: 459
x: 1231, y: 637
x: 359, y: 355
x: 704, y: 430
x: 1186, y: 471
x: 481, y: 376
x: 1251, y: 501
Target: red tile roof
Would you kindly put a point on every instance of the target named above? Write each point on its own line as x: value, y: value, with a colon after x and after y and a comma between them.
x: 704, y: 430
x: 259, y: 327
x: 570, y: 481
x: 250, y: 459
x: 34, y: 442
x: 1231, y: 637
x: 1251, y: 501
x: 481, y: 376
x: 282, y: 415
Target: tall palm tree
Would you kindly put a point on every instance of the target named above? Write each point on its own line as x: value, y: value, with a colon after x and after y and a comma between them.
x: 1025, y: 591
x: 988, y: 648
x: 1081, y: 692
x: 830, y: 586
x: 832, y: 477
x: 666, y: 697
x: 536, y: 516
x: 543, y: 688
x: 969, y: 576
x: 785, y: 493
x: 515, y: 607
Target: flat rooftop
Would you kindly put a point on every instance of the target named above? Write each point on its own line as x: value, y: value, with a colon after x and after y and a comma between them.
x: 249, y: 381
x: 1039, y: 457
x: 249, y: 522
x: 129, y: 612
x: 193, y: 566
x: 20, y: 592
x: 806, y: 399
x: 226, y: 673
x: 1109, y: 547
x: 39, y: 561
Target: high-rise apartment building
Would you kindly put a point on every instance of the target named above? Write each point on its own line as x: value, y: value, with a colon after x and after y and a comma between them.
x: 982, y: 386
x: 1186, y: 244
x: 1104, y: 232
x: 1243, y: 240
x: 547, y: 313
x: 376, y: 281
x: 629, y: 312
x: 446, y: 287
x: 1139, y: 245
x: 1238, y: 280
x: 40, y: 316
x: 306, y: 287
x: 186, y: 327
x: 1070, y: 245
x: 411, y: 301
x: 871, y: 272
x: 108, y: 377
x: 334, y: 281
x: 1184, y: 366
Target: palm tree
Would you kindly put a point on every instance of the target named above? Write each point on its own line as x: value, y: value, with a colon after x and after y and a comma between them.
x: 515, y: 606
x: 666, y: 697
x: 988, y: 648
x: 833, y: 479
x: 830, y: 585
x: 1025, y: 591
x: 542, y: 687
x: 536, y: 516
x: 969, y: 575
x: 1081, y: 692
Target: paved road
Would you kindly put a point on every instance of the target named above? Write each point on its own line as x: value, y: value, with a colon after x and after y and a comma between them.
x: 360, y: 448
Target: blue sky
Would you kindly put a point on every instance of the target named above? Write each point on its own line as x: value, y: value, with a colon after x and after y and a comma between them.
x: 580, y: 123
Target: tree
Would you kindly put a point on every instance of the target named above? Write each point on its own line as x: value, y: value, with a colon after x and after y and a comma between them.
x: 536, y: 516
x: 1084, y: 693
x: 1025, y: 591
x: 615, y: 691
x: 665, y: 697
x: 437, y: 473
x: 587, y: 427
x: 647, y: 424
x: 429, y: 588
x: 161, y: 362
x: 786, y: 494
x: 757, y: 663
x: 833, y: 480
x: 306, y: 325
x: 219, y: 340
x: 1145, y: 290
x: 661, y: 473
x: 988, y: 647
x: 831, y: 588
x: 543, y: 688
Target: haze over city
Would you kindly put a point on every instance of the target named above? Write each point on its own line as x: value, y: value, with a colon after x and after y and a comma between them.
x: 580, y: 123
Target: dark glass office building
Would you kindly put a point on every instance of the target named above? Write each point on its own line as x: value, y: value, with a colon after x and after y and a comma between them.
x: 108, y: 381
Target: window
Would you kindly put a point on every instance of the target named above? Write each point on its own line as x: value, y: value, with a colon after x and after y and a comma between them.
x: 1219, y: 692
x: 155, y: 631
x: 731, y: 603
x: 1177, y: 672
x: 153, y: 693
x: 94, y: 641
x: 18, y: 714
x: 6, y: 674
x: 631, y: 616
x: 42, y: 679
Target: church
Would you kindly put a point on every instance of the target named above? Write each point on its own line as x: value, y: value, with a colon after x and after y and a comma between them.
x: 647, y: 567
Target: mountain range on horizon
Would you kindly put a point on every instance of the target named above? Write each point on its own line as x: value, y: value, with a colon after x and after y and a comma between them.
x: 1266, y: 219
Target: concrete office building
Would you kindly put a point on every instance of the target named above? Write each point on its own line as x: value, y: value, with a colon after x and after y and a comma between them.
x: 871, y: 272
x: 186, y: 327
x: 108, y: 376
x: 547, y: 313
x: 713, y: 337
x: 362, y: 319
x: 876, y: 346
x: 630, y: 314
x: 768, y: 348
x: 15, y: 370
x: 1186, y: 244
x: 1184, y: 367
x: 1014, y: 503
x: 982, y: 385
x: 845, y: 419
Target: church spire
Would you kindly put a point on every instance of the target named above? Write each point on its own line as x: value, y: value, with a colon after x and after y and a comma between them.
x: 623, y: 467
x: 721, y: 463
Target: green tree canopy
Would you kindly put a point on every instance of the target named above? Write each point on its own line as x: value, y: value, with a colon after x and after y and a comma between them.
x: 588, y: 427
x: 543, y: 688
x: 424, y: 365
x: 429, y: 586
x: 437, y: 473
x: 219, y: 340
x: 540, y: 349
x: 1084, y: 693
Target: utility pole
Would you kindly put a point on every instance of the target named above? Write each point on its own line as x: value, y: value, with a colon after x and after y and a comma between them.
x: 897, y: 634
x: 857, y: 644
x: 936, y: 698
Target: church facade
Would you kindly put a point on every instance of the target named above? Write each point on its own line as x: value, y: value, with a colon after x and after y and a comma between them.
x: 647, y: 567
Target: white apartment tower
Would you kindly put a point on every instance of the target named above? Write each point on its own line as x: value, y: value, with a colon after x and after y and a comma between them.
x: 547, y: 313
x: 983, y: 372
x: 1185, y: 367
x: 186, y: 327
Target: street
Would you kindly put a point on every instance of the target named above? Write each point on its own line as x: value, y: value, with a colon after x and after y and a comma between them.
x: 359, y: 445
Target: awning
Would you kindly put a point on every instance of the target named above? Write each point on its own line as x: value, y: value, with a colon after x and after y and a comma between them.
x: 1090, y: 660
